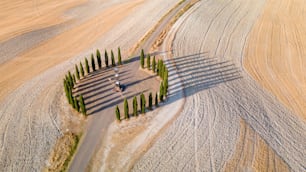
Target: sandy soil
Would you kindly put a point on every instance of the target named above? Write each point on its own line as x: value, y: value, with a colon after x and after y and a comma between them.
x: 18, y: 16
x: 253, y: 154
x: 219, y: 93
x: 31, y: 97
x: 276, y: 51
x: 49, y: 53
x: 37, y: 34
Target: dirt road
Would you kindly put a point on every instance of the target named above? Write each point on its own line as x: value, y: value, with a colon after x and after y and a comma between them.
x: 220, y: 96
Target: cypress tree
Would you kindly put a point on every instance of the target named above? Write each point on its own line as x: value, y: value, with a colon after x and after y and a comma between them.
x: 142, y: 56
x: 86, y: 66
x: 70, y: 96
x: 158, y: 67
x: 106, y: 58
x: 69, y: 75
x: 70, y: 79
x: 73, y: 103
x: 148, y: 62
x: 93, y: 65
x: 77, y: 73
x: 154, y: 65
x: 140, y: 101
x: 165, y: 89
x: 66, y: 89
x: 119, y: 56
x: 150, y: 101
x: 164, y: 71
x: 165, y: 82
x: 143, y: 104
x: 99, y: 59
x: 118, y: 113
x: 74, y: 80
x: 113, y: 58
x: 126, y: 109
x: 165, y: 77
x: 135, y: 109
x: 161, y: 92
x: 81, y: 69
x: 82, y: 105
x: 76, y: 104
x: 65, y: 86
x: 161, y: 69
x: 67, y: 81
x: 156, y: 100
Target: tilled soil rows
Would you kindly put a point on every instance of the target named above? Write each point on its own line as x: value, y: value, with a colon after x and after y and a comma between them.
x: 224, y: 105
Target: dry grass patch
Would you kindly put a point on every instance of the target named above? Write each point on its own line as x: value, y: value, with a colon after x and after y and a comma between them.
x: 63, y: 152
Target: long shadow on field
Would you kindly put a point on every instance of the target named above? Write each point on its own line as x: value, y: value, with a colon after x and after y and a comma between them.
x: 198, y: 72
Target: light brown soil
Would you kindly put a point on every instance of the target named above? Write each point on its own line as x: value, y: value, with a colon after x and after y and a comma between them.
x: 276, y: 51
x: 18, y: 16
x: 207, y: 132
x: 33, y: 105
x: 208, y: 48
x: 50, y: 53
x: 253, y: 154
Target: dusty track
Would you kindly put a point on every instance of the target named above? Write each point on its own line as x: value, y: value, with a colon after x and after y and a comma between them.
x: 276, y: 52
x: 32, y: 94
x: 209, y: 49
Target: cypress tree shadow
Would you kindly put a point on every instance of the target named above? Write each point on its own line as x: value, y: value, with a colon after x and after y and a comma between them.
x: 102, y: 103
x: 198, y: 72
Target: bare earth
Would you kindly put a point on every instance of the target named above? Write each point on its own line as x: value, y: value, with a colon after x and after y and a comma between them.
x: 228, y: 122
x: 276, y: 52
x: 208, y: 135
x: 31, y: 93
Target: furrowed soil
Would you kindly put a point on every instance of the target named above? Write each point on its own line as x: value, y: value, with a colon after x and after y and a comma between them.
x: 33, y: 109
x: 228, y: 122
x: 276, y: 52
x: 240, y: 62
